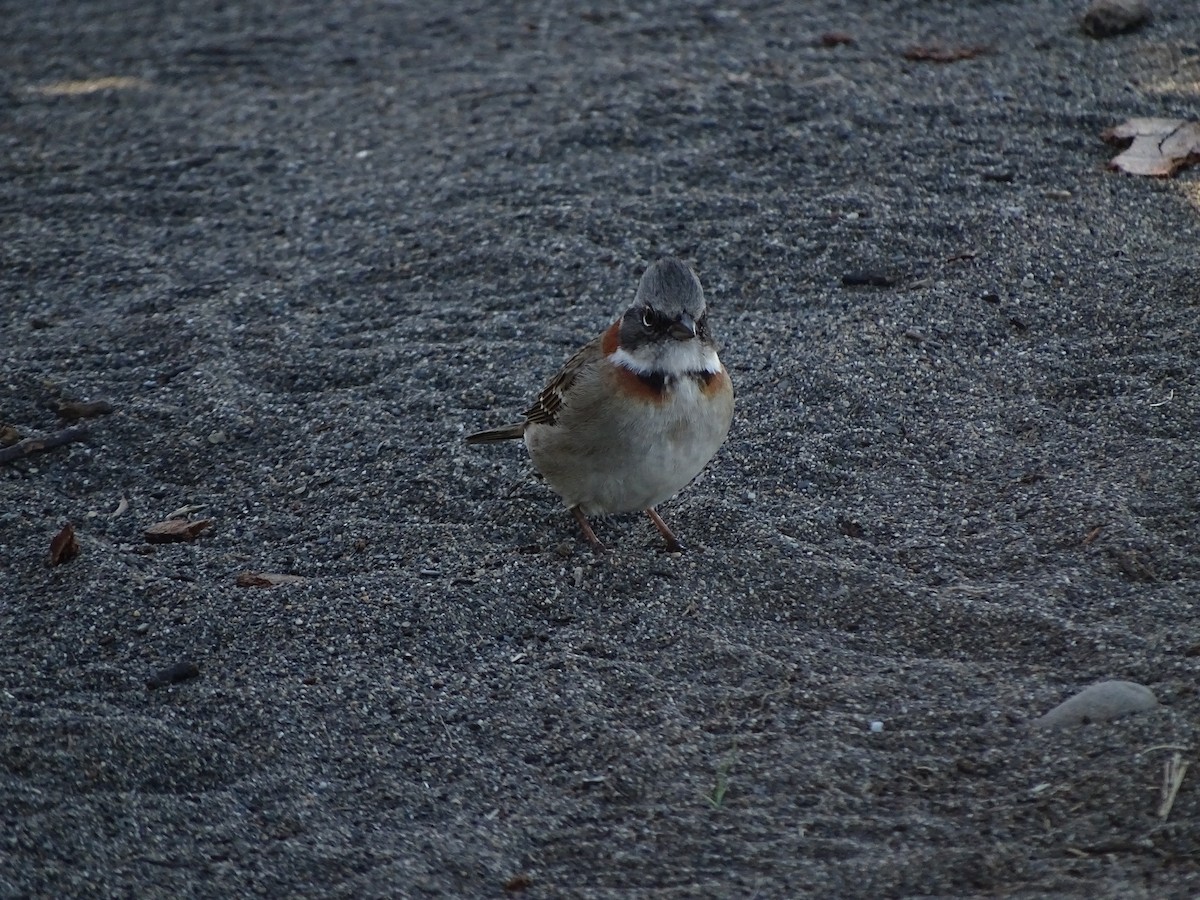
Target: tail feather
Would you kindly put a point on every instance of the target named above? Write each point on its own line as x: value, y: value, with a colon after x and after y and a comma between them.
x: 513, y: 432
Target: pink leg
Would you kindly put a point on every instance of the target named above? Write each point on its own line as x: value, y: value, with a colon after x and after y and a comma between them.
x: 587, y: 530
x: 673, y: 545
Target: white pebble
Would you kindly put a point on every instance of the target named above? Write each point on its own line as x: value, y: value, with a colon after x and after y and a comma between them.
x: 1100, y: 702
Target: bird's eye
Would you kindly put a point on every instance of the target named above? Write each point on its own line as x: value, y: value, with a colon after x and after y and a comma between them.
x: 647, y: 318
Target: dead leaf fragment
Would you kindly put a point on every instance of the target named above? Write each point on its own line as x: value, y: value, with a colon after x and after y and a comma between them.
x: 940, y: 53
x: 65, y: 546
x: 74, y: 410
x: 869, y: 278
x: 266, y: 579
x: 173, y: 674
x: 836, y: 39
x: 518, y: 882
x: 175, y: 530
x: 1106, y: 18
x: 8, y: 435
x: 1159, y: 147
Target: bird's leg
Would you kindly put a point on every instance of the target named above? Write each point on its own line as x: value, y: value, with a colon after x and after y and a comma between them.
x: 587, y: 530
x: 673, y: 544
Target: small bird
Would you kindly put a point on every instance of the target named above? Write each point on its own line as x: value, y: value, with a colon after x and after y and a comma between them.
x: 637, y: 412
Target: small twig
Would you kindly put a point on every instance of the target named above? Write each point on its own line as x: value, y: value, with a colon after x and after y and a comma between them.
x: 716, y: 797
x: 1173, y: 771
x: 1134, y: 846
x: 1180, y: 747
x: 29, y: 446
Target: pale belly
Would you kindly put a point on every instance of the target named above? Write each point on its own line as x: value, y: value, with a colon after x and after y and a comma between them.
x: 605, y: 461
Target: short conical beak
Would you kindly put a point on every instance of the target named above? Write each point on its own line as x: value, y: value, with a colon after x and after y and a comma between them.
x: 683, y: 328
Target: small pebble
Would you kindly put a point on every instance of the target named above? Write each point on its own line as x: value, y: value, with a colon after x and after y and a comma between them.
x: 1100, y: 702
x: 876, y: 727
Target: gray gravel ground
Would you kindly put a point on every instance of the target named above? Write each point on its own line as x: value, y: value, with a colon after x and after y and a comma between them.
x: 304, y: 247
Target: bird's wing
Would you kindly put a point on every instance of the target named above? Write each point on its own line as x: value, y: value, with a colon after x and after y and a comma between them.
x: 550, y: 400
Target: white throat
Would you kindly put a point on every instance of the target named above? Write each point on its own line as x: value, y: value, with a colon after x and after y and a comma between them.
x: 669, y: 358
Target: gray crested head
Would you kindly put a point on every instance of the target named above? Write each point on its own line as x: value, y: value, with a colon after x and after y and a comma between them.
x: 667, y: 314
x: 670, y: 288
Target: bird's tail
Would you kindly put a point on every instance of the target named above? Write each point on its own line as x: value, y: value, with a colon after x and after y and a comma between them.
x: 512, y: 432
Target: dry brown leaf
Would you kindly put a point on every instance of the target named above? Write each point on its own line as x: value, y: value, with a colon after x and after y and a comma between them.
x: 942, y: 54
x: 266, y: 579
x: 173, y: 674
x: 65, y: 546
x: 74, y: 410
x: 836, y: 39
x: 175, y: 530
x: 1159, y: 147
x: 518, y: 882
x: 1106, y: 18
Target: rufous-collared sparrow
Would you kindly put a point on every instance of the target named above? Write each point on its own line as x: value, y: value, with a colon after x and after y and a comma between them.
x: 637, y: 412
